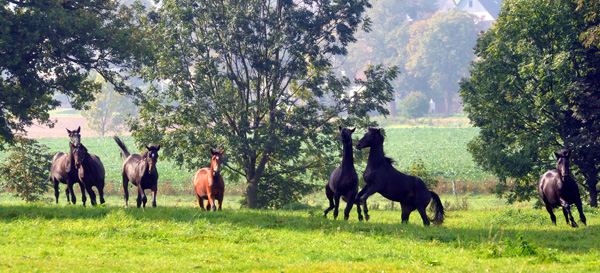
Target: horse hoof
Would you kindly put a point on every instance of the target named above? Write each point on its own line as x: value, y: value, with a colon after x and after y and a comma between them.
x: 360, y: 218
x: 573, y: 224
x: 367, y: 217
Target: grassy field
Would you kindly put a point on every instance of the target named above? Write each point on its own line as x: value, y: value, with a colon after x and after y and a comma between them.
x: 487, y: 237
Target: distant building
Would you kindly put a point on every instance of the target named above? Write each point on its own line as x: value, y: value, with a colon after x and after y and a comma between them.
x: 487, y: 10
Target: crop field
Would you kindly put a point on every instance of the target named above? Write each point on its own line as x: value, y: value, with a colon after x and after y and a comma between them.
x: 442, y: 150
x: 489, y: 236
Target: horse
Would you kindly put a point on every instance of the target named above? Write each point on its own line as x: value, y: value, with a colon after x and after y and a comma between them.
x: 141, y: 171
x: 558, y: 188
x: 343, y: 181
x: 90, y: 171
x: 380, y: 176
x: 63, y: 170
x: 208, y: 182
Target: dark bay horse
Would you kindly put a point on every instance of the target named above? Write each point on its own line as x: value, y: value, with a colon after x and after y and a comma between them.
x: 90, y: 171
x: 558, y: 188
x: 209, y: 184
x: 343, y: 181
x: 141, y: 171
x: 63, y: 170
x: 382, y: 177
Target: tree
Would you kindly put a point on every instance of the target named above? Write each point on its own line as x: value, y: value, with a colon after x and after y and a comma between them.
x: 109, y: 110
x: 532, y: 91
x: 439, y: 52
x: 253, y: 76
x: 49, y: 46
x: 415, y: 105
x: 26, y: 170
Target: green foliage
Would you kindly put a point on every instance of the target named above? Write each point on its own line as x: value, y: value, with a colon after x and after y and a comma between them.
x: 280, y: 191
x: 418, y: 169
x: 109, y: 110
x: 533, y: 91
x: 256, y: 78
x: 415, y: 105
x: 26, y: 170
x: 50, y: 46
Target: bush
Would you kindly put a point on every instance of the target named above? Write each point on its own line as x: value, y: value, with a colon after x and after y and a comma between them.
x: 415, y: 105
x: 27, y: 169
x: 418, y: 169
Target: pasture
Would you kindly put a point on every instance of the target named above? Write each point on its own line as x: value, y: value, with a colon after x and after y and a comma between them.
x: 488, y: 237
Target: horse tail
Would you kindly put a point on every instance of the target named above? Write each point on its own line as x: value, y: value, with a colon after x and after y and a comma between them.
x: 124, y: 151
x: 438, y: 207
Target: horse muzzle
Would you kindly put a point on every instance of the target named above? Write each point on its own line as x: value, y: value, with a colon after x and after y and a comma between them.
x: 359, y: 146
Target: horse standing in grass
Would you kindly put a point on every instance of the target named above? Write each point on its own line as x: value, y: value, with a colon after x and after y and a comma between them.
x: 382, y: 177
x: 209, y: 184
x: 63, y: 170
x: 343, y: 181
x: 141, y: 171
x: 90, y: 171
x: 558, y: 188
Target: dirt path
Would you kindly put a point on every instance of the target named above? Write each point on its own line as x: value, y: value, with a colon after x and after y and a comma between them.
x: 63, y: 123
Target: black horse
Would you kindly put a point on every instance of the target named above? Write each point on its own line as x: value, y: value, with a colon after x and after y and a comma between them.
x: 90, y: 171
x: 381, y: 177
x: 558, y: 188
x: 141, y: 171
x: 343, y: 181
x: 63, y: 170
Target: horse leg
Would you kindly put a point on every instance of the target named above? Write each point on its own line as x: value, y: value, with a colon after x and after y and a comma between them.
x: 82, y: 188
x: 551, y: 212
x: 349, y: 204
x: 358, y: 202
x: 68, y: 194
x: 329, y: 194
x: 211, y: 203
x: 101, y: 193
x: 200, y: 202
x: 144, y: 197
x: 139, y: 196
x: 366, y: 192
x: 424, y: 216
x: 580, y: 209
x: 567, y: 212
x: 220, y: 199
x: 360, y: 217
x: 90, y: 191
x: 56, y: 193
x: 154, y: 189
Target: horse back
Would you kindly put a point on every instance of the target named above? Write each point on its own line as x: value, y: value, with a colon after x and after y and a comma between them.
x: 93, y: 171
x: 60, y: 169
x: 549, y: 187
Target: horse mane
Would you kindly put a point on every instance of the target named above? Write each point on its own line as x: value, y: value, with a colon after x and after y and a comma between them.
x: 389, y: 160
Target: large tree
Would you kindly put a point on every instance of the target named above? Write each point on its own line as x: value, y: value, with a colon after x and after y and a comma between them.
x: 534, y: 90
x: 49, y: 46
x: 255, y: 77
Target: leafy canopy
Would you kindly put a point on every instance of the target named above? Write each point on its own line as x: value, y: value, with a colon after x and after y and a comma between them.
x: 256, y: 77
x: 49, y: 46
x: 532, y: 91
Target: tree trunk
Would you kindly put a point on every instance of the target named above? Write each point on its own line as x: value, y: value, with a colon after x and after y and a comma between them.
x: 593, y: 190
x: 252, y: 194
x: 392, y: 107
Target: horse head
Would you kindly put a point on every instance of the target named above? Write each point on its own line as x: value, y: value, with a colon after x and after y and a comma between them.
x: 372, y: 137
x: 217, y: 159
x: 151, y: 156
x: 562, y: 162
x: 346, y: 134
x: 79, y: 153
x: 75, y: 136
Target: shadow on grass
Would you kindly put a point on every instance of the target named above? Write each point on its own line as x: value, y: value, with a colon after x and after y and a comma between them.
x: 542, y: 235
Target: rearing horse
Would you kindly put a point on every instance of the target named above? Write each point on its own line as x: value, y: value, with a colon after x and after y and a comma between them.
x: 208, y: 182
x: 343, y: 181
x: 382, y: 177
x: 558, y: 188
x: 63, y: 170
x: 141, y: 171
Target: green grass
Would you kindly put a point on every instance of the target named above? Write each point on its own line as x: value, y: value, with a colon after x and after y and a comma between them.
x: 179, y: 237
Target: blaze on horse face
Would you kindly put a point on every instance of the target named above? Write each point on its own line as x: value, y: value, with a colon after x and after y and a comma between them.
x: 562, y: 162
x: 152, y: 156
x: 372, y: 137
x: 217, y: 159
x: 75, y: 136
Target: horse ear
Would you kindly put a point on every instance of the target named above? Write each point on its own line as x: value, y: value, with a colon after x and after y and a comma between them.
x: 78, y: 129
x: 148, y: 148
x: 340, y: 128
x: 68, y: 131
x: 158, y: 148
x: 211, y: 151
x: 557, y: 155
x: 352, y: 131
x: 222, y: 151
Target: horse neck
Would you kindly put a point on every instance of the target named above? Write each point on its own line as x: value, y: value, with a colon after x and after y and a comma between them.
x: 376, y: 155
x: 347, y: 156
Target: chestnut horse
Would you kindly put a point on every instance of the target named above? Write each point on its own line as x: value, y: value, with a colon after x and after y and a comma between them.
x: 558, y: 188
x: 209, y: 184
x: 382, y: 177
x: 141, y: 171
x: 90, y: 171
x: 63, y: 170
x: 343, y: 181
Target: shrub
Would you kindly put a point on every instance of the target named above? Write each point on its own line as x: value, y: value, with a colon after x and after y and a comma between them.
x: 418, y: 169
x: 27, y: 169
x: 415, y: 105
